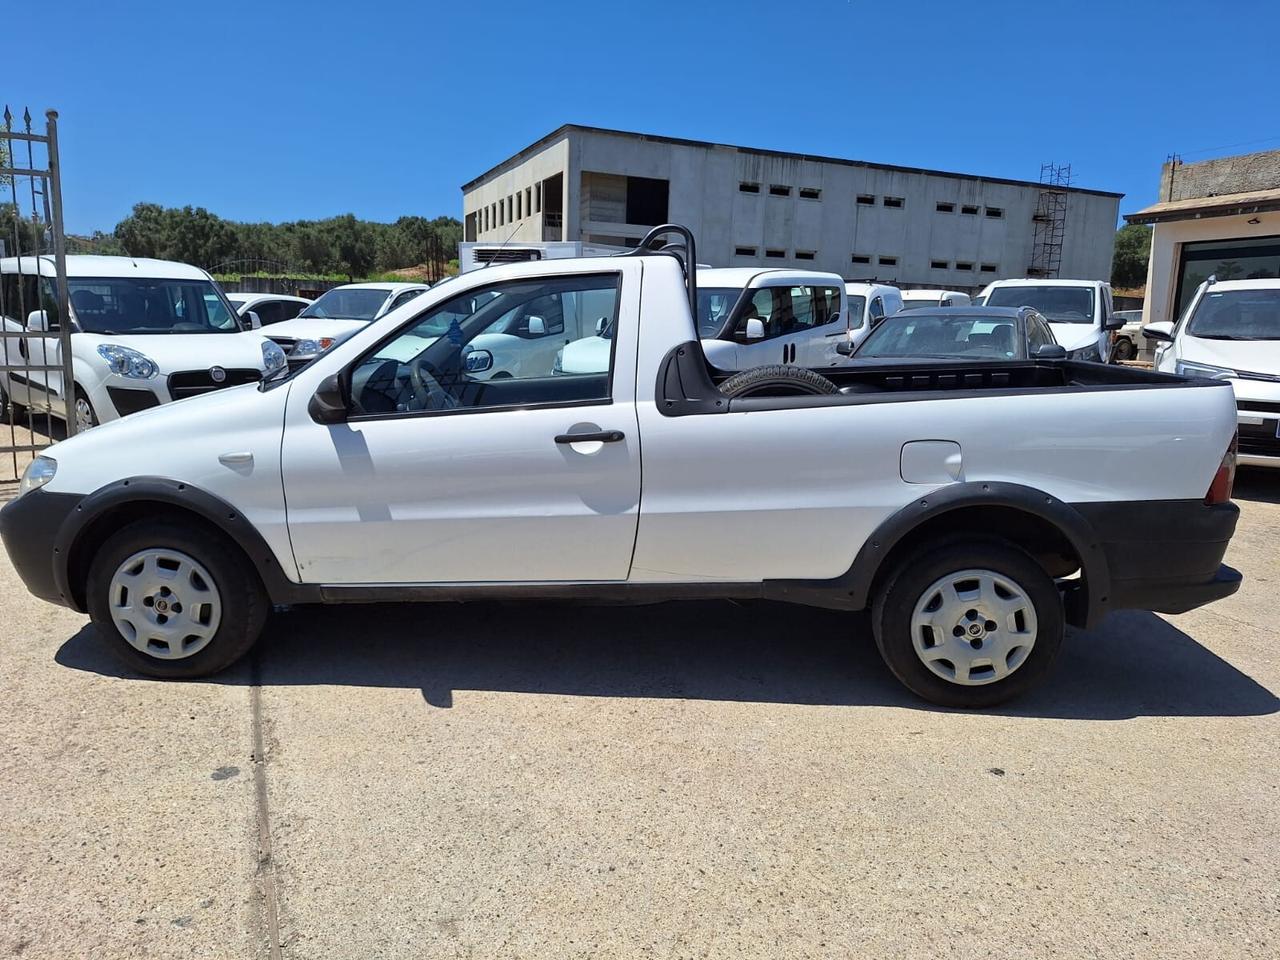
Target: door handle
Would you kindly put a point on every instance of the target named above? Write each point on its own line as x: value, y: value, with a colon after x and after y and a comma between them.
x: 599, y: 436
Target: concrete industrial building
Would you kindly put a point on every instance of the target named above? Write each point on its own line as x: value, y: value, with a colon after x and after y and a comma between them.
x: 1215, y: 218
x: 921, y: 228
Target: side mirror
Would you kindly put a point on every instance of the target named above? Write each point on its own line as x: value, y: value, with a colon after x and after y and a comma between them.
x: 754, y: 329
x: 38, y: 321
x: 329, y: 403
x: 834, y: 318
x: 537, y: 326
x: 1113, y: 323
x: 600, y: 325
x: 1161, y: 330
x: 1049, y: 351
x: 844, y: 348
x: 478, y: 361
x: 255, y: 322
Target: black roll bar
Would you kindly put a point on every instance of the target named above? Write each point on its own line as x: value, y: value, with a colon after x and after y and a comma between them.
x: 685, y: 253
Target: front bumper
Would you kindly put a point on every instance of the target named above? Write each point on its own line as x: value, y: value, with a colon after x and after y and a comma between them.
x: 29, y: 526
x: 1165, y: 555
x: 1258, y: 429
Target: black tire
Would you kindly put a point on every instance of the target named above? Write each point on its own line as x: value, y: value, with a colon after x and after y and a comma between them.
x: 894, y: 606
x: 245, y: 604
x: 778, y: 380
x: 1124, y: 349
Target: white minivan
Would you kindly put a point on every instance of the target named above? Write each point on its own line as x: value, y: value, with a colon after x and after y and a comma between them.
x: 143, y: 332
x: 919, y: 299
x: 1231, y: 331
x: 1079, y: 311
x: 868, y: 303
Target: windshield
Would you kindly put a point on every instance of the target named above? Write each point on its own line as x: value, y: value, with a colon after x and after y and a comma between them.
x: 1055, y: 304
x: 348, y: 303
x: 945, y: 336
x: 140, y: 306
x: 714, y: 304
x: 1237, y: 315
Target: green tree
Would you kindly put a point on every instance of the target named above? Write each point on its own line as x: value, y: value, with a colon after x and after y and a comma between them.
x: 1132, y: 251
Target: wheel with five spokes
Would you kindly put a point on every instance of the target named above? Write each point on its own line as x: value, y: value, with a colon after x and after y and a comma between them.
x: 970, y: 624
x: 174, y: 600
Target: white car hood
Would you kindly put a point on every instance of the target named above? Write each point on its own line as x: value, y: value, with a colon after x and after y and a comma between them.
x: 313, y: 328
x: 1073, y: 336
x: 181, y: 351
x: 588, y: 355
x: 1247, y: 356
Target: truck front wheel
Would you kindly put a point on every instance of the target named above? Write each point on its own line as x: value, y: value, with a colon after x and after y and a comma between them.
x: 174, y: 600
x: 969, y: 624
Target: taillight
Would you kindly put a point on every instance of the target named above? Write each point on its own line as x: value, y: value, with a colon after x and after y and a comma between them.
x: 1220, y: 489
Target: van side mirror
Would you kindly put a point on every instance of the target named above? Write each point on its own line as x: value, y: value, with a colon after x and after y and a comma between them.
x: 1113, y: 322
x: 38, y: 321
x: 329, y: 403
x: 1049, y: 351
x: 754, y: 329
x: 537, y: 326
x: 601, y: 323
x: 1161, y: 330
x: 844, y: 348
x: 255, y: 322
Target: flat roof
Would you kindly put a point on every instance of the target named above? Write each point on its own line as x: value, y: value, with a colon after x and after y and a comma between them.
x: 567, y: 128
x: 1224, y: 205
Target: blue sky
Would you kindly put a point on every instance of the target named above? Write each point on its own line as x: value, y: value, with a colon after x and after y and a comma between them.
x: 286, y: 110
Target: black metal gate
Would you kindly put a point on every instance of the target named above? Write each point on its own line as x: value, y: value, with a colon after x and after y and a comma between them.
x: 37, y: 386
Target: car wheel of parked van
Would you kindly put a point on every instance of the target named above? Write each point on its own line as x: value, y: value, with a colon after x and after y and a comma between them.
x: 969, y: 624
x: 86, y: 416
x: 173, y: 600
x: 777, y: 380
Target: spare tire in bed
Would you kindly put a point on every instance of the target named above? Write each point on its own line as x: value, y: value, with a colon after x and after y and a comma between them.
x: 777, y: 380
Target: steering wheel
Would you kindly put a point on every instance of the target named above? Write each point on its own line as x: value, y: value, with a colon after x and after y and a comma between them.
x: 426, y: 388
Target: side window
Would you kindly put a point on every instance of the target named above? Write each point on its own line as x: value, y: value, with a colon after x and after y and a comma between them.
x: 290, y: 309
x: 877, y: 310
x: 509, y: 345
x: 268, y: 311
x: 1037, y: 335
x: 404, y: 298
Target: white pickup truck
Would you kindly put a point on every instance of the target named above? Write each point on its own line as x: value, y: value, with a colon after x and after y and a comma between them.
x: 974, y: 508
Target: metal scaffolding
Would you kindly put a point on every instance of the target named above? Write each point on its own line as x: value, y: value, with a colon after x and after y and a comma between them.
x: 1050, y: 220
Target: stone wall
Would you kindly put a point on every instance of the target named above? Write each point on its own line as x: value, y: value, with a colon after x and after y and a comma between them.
x: 1213, y: 178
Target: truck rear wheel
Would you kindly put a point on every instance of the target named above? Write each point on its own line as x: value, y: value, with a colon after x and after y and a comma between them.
x: 969, y: 624
x: 777, y: 380
x: 174, y: 601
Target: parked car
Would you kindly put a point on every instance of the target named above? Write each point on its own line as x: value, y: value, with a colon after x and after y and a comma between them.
x: 267, y: 308
x: 143, y: 332
x: 918, y: 299
x: 1078, y: 310
x: 1231, y: 331
x: 972, y: 511
x: 869, y: 302
x: 338, y: 313
x: 748, y: 317
x: 969, y: 333
x: 1125, y: 340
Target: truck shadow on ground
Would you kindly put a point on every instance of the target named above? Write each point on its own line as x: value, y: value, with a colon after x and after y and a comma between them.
x: 1257, y: 484
x: 1135, y: 665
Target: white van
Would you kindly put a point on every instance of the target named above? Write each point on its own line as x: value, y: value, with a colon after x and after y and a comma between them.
x: 869, y: 302
x: 917, y: 299
x: 1079, y: 311
x: 143, y: 332
x: 1231, y: 331
x: 748, y: 317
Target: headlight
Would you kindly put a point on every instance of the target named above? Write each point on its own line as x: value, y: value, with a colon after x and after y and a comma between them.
x: 127, y: 362
x: 39, y: 472
x: 272, y: 356
x: 310, y: 349
x: 1185, y: 369
x: 1085, y: 353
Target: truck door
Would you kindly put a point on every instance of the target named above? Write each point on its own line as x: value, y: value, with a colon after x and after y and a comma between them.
x: 440, y: 476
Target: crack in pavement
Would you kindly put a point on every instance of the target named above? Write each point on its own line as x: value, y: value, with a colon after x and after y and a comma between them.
x: 266, y: 863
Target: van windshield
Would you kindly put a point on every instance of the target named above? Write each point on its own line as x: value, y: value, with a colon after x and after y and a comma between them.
x: 1237, y: 315
x: 140, y: 306
x: 1056, y: 304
